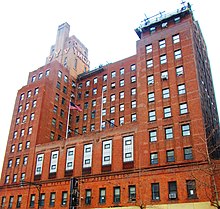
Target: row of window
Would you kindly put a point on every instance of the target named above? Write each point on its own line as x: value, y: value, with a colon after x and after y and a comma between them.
x: 29, y: 93
x: 117, y: 192
x: 22, y: 132
x: 17, y: 161
x: 27, y: 105
x: 162, y: 43
x: 27, y: 146
x: 105, y: 77
x: 40, y: 75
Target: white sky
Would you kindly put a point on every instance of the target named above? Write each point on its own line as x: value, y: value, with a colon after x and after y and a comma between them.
x: 106, y: 28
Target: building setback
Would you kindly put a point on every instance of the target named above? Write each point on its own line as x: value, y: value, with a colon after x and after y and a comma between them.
x: 133, y: 133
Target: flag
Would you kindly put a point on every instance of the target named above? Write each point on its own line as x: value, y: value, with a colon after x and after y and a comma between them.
x: 75, y: 107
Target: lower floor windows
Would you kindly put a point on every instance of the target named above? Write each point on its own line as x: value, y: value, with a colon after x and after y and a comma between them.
x: 116, y: 195
x: 155, y: 191
x: 132, y: 193
x: 191, y: 189
x: 64, y: 198
x: 88, y: 197
x: 102, y: 195
x: 172, y: 187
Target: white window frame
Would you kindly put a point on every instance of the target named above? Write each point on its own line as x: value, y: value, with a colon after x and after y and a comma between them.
x: 87, y: 156
x: 70, y: 155
x: 107, y: 152
x: 54, y: 161
x: 39, y: 164
x: 128, y: 149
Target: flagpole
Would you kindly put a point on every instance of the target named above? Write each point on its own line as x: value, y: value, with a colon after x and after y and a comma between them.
x: 68, y: 120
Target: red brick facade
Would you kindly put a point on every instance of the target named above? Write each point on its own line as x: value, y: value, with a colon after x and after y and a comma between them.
x: 136, y: 142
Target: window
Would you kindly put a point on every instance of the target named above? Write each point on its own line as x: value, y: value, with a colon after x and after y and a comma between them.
x: 52, y: 135
x: 102, y: 195
x: 105, y: 77
x: 36, y: 91
x: 132, y: 192
x: 30, y: 130
x: 133, y: 67
x: 112, y: 97
x: 21, y: 97
x: 153, y: 136
x: 93, y: 103
x: 154, y: 158
x: 188, y: 153
x: 191, y: 189
x: 185, y: 130
x: 170, y: 156
x: 103, y: 125
x: 164, y: 25
x: 26, y: 106
x: 64, y: 90
x: 34, y: 104
x: 112, y: 109
x: 162, y: 43
x: 22, y: 176
x: 86, y: 105
x: 167, y: 112
x: 62, y: 113
x: 17, y: 121
x: 179, y: 71
x: 103, y: 112
x: 163, y: 59
x: 28, y: 94
x: 25, y: 160
x: 64, y: 198
x: 87, y: 83
x: 32, y: 116
x: 39, y: 164
x: 42, y: 199
x: 93, y: 114
x: 133, y: 117
x: 52, y: 198
x: 40, y: 76
x: 133, y: 104
x: 181, y: 89
x: 152, y: 29
x: 121, y: 107
x: 152, y: 115
x: 20, y: 108
x: 113, y: 85
x: 84, y: 117
x: 27, y: 145
x: 60, y: 126
x: 22, y: 133
x: 19, y: 146
x: 121, y: 120
x: 150, y: 80
x: 151, y: 97
x: 63, y: 102
x: 15, y: 134
x: 176, y: 38
x: 177, y: 54
x: 57, y: 97
x: 107, y: 152
x: 94, y: 91
x: 177, y: 19
x: 172, y: 190
x: 133, y: 91
x: 11, y: 199
x: 133, y: 79
x: 122, y: 83
x: 54, y: 122
x: 122, y: 71
x: 33, y: 79
x: 116, y: 197
x: 32, y: 199
x: 183, y: 108
x: 92, y: 127
x: 88, y: 196
x: 7, y: 179
x: 169, y: 133
x: 149, y: 48
x: 12, y: 148
x: 128, y: 155
x: 149, y: 63
x: 95, y: 80
x: 164, y: 75
x: 121, y: 94
x: 65, y: 79
x: 3, y: 201
x: 113, y: 74
x: 55, y: 109
x: 54, y: 161
x: 155, y: 189
x: 166, y: 93
x: 17, y: 162
x: 47, y: 73
x: 112, y: 123
x: 58, y: 85
x: 59, y: 74
x: 104, y: 100
x: 9, y: 163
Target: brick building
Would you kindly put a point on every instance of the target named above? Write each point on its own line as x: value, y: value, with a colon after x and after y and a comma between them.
x: 138, y: 137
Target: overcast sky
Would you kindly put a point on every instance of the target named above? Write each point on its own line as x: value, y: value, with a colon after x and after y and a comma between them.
x: 106, y: 28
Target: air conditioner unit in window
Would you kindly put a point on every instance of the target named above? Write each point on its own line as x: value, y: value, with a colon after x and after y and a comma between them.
x: 172, y: 196
x: 164, y: 77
